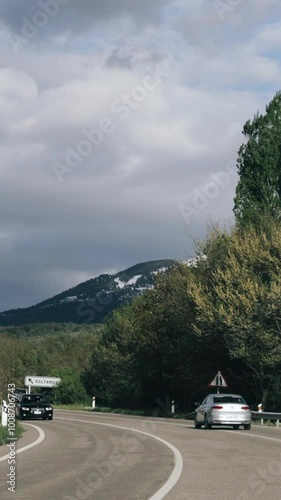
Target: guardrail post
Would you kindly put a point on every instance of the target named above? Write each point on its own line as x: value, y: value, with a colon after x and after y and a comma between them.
x: 277, y: 423
x: 93, y: 402
x: 260, y: 410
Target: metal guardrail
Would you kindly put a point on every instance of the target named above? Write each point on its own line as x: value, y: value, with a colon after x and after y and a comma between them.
x: 267, y: 415
x: 190, y: 416
x: 261, y: 415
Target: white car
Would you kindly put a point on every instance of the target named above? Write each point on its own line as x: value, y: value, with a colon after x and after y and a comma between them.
x: 223, y: 409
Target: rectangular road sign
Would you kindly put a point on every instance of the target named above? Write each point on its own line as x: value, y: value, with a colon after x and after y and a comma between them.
x: 32, y: 381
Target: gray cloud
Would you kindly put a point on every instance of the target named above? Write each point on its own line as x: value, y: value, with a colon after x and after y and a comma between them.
x: 219, y: 25
x: 119, y: 203
x: 75, y: 16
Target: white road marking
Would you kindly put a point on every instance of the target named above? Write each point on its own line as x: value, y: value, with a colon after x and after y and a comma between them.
x: 157, y: 420
x: 175, y: 475
x: 245, y: 434
x: 39, y: 440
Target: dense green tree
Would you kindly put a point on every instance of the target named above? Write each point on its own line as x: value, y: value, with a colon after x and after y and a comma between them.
x: 258, y: 192
x: 27, y: 353
x: 70, y: 390
x: 111, y: 377
x: 151, y: 352
x: 11, y: 363
x: 237, y: 295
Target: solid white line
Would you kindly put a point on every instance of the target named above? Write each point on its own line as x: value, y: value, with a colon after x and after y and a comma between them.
x: 39, y: 440
x: 161, y: 421
x: 245, y: 434
x: 175, y: 475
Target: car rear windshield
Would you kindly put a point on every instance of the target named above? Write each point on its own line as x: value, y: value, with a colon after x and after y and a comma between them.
x: 229, y: 399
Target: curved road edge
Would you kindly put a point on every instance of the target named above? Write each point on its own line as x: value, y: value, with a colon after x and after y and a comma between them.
x: 174, y: 476
x: 37, y: 441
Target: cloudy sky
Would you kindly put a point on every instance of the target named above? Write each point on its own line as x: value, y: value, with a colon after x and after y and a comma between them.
x: 120, y: 125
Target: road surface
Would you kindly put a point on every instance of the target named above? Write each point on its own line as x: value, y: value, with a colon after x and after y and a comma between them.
x: 82, y: 456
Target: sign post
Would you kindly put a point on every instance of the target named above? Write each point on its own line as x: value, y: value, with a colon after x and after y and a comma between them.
x: 4, y: 414
x: 32, y: 381
x: 259, y: 410
x: 218, y: 381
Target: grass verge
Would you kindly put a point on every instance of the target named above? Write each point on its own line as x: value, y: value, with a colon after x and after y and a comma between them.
x: 266, y: 422
x: 122, y: 411
x: 4, y: 434
x: 79, y: 407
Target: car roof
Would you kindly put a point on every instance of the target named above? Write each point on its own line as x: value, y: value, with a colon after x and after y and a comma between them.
x: 228, y: 394
x: 34, y: 395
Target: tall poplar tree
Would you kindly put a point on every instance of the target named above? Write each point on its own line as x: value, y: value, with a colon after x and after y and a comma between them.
x: 258, y: 193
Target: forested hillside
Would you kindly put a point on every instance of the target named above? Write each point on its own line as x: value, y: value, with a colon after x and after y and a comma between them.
x: 91, y: 301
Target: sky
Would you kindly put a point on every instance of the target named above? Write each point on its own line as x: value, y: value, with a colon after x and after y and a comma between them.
x: 120, y: 126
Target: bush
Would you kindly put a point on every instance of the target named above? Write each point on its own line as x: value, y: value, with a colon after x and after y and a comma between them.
x: 70, y: 390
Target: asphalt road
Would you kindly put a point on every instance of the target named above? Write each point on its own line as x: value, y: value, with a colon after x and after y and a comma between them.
x: 102, y: 457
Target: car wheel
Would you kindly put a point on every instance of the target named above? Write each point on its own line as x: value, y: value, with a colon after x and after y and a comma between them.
x: 206, y: 423
x: 197, y: 425
x: 236, y: 427
x: 247, y: 427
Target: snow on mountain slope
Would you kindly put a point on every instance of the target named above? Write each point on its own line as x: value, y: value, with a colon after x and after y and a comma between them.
x: 92, y: 300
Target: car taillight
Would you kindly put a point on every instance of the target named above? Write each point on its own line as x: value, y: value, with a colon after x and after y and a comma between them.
x: 245, y: 407
x: 217, y: 407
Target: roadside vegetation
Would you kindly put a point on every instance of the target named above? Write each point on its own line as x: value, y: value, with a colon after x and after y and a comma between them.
x: 224, y: 313
x: 4, y: 433
x: 156, y: 413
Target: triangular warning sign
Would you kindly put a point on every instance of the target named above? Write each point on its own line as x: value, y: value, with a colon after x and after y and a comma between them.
x: 218, y: 381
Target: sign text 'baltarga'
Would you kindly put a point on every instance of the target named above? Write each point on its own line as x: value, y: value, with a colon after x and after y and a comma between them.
x: 32, y: 381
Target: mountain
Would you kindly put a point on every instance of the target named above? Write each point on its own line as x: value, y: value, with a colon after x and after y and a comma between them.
x: 91, y: 301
